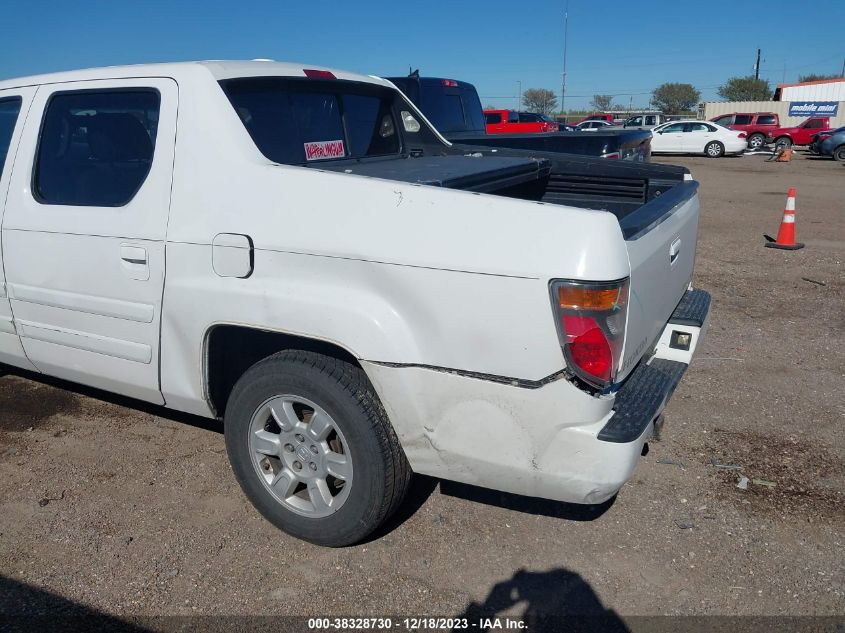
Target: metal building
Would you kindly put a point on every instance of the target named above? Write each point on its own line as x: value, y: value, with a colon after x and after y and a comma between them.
x: 822, y: 90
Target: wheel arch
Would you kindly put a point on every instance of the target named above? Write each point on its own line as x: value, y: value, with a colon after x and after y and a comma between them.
x: 229, y: 349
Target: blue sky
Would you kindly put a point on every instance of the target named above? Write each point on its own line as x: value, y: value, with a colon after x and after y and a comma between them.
x: 612, y: 49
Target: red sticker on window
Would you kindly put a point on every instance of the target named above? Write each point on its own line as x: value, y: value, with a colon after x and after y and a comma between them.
x: 320, y: 150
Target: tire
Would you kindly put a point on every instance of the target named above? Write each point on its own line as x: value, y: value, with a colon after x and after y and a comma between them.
x: 756, y: 141
x: 714, y: 149
x: 783, y: 141
x: 363, y: 469
x: 839, y: 154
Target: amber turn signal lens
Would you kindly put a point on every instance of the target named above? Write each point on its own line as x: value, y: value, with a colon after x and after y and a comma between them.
x: 587, y: 298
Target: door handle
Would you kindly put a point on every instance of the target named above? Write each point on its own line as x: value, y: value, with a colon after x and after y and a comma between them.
x: 674, y: 251
x: 134, y: 261
x: 133, y: 254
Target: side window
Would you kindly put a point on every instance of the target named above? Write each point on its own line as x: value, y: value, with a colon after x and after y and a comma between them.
x: 724, y: 120
x: 493, y: 118
x: 9, y: 109
x: 513, y: 117
x: 675, y: 127
x: 96, y: 147
x: 766, y: 119
x: 743, y: 119
x: 814, y: 124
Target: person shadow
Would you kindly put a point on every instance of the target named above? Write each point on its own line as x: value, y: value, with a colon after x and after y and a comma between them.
x: 558, y: 601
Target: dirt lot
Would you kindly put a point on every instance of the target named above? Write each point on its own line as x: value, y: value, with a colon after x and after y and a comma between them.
x: 131, y: 510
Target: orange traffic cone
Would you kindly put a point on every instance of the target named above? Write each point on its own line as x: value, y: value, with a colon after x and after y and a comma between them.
x: 786, y: 233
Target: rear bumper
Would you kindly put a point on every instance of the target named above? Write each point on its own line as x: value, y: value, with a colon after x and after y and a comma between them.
x: 552, y: 441
x: 651, y: 384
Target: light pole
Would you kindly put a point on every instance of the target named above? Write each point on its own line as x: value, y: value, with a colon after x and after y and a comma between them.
x: 519, y: 98
x: 563, y: 78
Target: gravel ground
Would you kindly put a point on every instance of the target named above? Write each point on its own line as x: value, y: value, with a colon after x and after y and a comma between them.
x: 134, y: 511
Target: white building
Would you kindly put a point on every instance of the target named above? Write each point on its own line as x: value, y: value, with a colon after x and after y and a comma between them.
x: 822, y: 90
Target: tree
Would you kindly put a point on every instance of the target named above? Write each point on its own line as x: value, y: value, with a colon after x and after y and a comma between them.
x: 812, y: 77
x: 490, y: 107
x: 539, y: 100
x: 745, y: 89
x: 673, y: 98
x: 601, y: 102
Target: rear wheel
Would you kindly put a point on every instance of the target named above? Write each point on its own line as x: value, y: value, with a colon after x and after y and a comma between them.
x: 783, y: 141
x: 714, y: 149
x: 756, y: 141
x: 839, y: 153
x: 312, y: 448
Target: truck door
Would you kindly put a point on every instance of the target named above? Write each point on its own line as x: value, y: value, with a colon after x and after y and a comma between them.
x: 84, y: 231
x: 13, y: 107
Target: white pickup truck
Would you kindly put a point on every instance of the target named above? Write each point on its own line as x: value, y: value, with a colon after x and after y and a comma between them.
x: 297, y: 252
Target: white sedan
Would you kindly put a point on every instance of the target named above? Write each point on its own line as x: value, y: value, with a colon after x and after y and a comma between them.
x: 697, y: 137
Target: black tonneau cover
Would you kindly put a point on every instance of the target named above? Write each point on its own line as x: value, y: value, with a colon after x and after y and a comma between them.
x: 469, y: 173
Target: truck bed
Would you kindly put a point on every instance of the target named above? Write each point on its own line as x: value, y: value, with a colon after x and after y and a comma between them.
x: 622, y: 188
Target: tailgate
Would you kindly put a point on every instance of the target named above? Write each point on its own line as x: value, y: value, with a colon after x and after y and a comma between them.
x: 661, y: 239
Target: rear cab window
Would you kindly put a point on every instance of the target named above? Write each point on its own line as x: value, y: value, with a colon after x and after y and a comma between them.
x: 300, y: 121
x: 451, y: 106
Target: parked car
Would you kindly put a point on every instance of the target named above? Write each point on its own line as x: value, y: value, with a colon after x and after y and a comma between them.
x: 455, y: 109
x: 592, y: 126
x: 756, y: 125
x: 512, y: 122
x: 816, y: 141
x: 800, y: 135
x: 645, y: 121
x: 598, y: 116
x: 341, y: 287
x: 697, y: 137
x: 834, y: 145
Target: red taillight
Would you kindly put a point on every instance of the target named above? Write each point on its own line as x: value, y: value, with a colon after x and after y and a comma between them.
x: 741, y: 135
x: 449, y: 82
x: 318, y: 74
x: 614, y: 155
x: 591, y: 326
x: 588, y: 346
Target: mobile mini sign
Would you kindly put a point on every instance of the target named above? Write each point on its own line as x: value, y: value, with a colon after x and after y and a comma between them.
x: 813, y: 108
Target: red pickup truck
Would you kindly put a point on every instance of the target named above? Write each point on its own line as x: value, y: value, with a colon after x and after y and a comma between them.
x: 513, y: 122
x: 756, y: 125
x: 801, y: 135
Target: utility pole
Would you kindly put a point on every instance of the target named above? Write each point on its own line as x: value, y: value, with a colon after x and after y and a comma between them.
x: 843, y: 69
x: 563, y: 78
x: 519, y: 98
x: 757, y: 66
